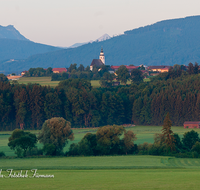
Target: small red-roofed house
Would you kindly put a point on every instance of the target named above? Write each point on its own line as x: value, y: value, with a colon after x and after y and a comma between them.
x: 23, y: 73
x: 59, y: 70
x: 191, y: 124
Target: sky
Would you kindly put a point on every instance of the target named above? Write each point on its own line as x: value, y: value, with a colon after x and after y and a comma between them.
x: 66, y: 22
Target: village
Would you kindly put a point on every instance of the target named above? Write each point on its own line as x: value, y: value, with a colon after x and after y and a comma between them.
x: 147, y: 71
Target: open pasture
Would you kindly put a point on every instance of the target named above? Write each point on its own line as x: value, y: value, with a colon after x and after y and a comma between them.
x: 107, y: 172
x: 45, y: 81
x: 164, y: 179
x: 100, y: 162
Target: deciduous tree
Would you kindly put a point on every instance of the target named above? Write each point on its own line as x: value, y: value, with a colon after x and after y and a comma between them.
x: 122, y: 74
x: 56, y: 131
x: 22, y: 140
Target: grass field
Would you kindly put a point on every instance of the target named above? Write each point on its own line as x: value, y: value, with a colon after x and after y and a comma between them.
x: 117, y: 172
x: 45, y: 81
x: 104, y: 172
x: 138, y: 179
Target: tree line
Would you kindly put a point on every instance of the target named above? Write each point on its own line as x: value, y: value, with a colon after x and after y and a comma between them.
x: 108, y: 140
x: 144, y: 103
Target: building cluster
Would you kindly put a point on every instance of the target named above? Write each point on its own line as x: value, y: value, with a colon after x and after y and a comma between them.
x: 98, y: 63
x: 151, y: 70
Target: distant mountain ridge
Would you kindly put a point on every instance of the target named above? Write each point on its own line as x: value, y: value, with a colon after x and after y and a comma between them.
x: 13, y: 46
x: 102, y: 38
x: 169, y: 42
x: 9, y: 32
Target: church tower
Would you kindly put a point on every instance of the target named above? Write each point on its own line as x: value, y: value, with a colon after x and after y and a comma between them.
x: 102, y: 57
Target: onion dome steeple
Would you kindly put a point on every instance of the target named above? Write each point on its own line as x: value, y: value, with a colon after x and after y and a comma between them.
x: 102, y: 57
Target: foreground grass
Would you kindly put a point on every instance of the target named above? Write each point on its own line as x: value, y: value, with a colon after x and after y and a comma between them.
x: 100, y: 162
x: 109, y: 179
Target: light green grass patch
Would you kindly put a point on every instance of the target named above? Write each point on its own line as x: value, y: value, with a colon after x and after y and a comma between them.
x: 100, y: 162
x: 164, y: 179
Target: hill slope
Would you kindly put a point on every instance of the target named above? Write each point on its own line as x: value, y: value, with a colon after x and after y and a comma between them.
x: 164, y: 43
x: 21, y: 49
x: 9, y: 32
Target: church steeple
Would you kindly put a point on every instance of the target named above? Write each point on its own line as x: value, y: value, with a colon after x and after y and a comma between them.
x: 102, y: 57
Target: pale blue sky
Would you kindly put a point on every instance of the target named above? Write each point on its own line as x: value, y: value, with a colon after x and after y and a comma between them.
x: 65, y: 22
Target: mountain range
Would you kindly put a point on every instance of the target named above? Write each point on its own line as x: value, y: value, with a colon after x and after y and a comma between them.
x: 169, y: 42
x: 102, y: 38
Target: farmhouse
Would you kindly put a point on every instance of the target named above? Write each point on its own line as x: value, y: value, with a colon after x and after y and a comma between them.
x: 59, y: 70
x: 191, y: 124
x: 13, y: 77
x: 23, y: 73
x: 160, y: 69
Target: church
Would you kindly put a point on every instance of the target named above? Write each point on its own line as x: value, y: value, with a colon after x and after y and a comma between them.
x: 98, y: 62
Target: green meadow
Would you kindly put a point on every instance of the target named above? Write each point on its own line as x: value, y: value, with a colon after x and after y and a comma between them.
x: 45, y: 81
x: 139, y: 179
x: 117, y: 172
x: 103, y: 172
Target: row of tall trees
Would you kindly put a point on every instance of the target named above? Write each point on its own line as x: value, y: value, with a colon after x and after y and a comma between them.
x: 28, y: 106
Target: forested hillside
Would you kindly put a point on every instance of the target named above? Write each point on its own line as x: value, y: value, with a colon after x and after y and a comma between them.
x: 164, y: 43
x: 76, y: 101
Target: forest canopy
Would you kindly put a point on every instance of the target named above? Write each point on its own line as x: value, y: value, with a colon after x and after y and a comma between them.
x: 144, y: 103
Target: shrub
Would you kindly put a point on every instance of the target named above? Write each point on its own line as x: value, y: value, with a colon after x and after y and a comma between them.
x: 34, y: 152
x: 2, y: 154
x: 49, y: 149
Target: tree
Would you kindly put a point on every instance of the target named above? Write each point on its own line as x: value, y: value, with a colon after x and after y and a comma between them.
x: 128, y: 140
x: 108, y: 139
x: 22, y: 140
x: 52, y: 105
x: 168, y: 133
x: 72, y: 67
x: 190, y: 69
x: 106, y: 80
x: 3, y: 78
x: 81, y: 67
x: 122, y: 74
x: 178, y: 142
x: 49, y: 71
x: 196, y: 147
x: 190, y: 138
x: 136, y: 76
x: 196, y: 68
x: 56, y: 131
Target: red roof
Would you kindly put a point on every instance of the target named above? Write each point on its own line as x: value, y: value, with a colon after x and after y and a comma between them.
x: 60, y: 70
x: 128, y: 67
x: 191, y: 122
